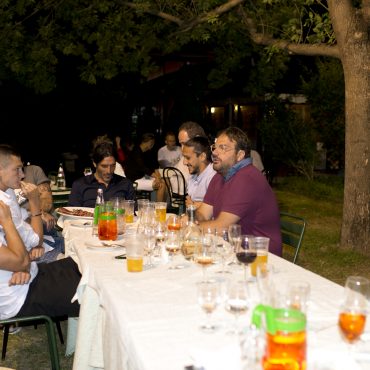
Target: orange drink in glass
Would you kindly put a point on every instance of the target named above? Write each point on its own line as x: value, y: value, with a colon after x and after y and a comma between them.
x: 107, y: 223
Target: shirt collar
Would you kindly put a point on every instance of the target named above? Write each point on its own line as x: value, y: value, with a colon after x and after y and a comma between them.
x: 237, y: 166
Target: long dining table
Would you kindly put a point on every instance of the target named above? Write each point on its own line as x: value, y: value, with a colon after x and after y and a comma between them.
x: 150, y: 320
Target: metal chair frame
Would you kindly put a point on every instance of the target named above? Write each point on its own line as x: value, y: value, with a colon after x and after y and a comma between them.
x: 292, y: 230
x: 32, y: 320
x: 177, y: 200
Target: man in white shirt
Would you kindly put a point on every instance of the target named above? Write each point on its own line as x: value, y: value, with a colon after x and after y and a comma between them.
x: 26, y: 288
x: 197, y: 157
x: 170, y: 154
x: 187, y: 131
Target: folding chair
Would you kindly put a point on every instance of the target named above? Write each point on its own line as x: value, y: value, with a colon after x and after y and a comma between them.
x: 292, y: 230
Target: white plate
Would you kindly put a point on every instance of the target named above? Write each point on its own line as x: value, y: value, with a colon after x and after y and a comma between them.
x: 76, y: 217
x: 81, y: 223
x: 98, y: 246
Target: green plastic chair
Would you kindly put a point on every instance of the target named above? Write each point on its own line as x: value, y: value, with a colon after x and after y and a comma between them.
x: 32, y: 320
x: 292, y: 230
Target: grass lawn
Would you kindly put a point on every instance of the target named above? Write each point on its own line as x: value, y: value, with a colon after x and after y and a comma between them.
x: 320, y: 203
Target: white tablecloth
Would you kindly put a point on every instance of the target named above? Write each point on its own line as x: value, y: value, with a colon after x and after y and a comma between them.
x: 150, y: 320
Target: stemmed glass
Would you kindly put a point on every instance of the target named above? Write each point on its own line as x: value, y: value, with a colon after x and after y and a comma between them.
x: 208, y: 299
x: 204, y: 255
x: 172, y: 243
x: 223, y: 248
x: 352, y: 316
x: 234, y: 232
x: 174, y: 223
x: 150, y: 244
x: 237, y: 301
x: 245, y: 252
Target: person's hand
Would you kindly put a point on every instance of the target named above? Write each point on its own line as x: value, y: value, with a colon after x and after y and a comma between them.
x: 19, y: 278
x: 30, y: 191
x: 156, y: 184
x: 188, y: 201
x: 48, y: 220
x: 118, y: 141
x: 36, y: 253
x: 5, y: 213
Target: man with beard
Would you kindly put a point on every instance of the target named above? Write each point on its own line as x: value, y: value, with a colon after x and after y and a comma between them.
x: 197, y: 157
x: 239, y: 193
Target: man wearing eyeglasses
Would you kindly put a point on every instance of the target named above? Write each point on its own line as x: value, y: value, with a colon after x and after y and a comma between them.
x: 239, y: 193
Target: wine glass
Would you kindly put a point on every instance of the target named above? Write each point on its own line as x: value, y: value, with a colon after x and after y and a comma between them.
x: 150, y: 244
x: 204, y: 255
x: 174, y: 223
x: 234, y: 232
x: 172, y: 244
x: 245, y: 252
x: 353, y: 310
x: 208, y: 299
x: 223, y: 248
x: 237, y: 301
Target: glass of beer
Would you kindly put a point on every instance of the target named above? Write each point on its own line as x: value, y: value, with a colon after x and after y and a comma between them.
x: 160, y: 211
x: 261, y: 245
x: 135, y: 253
x: 129, y: 211
x: 352, y: 315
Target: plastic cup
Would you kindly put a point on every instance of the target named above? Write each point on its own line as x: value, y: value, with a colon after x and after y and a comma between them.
x: 135, y: 254
x: 129, y: 206
x: 160, y: 211
x: 261, y: 245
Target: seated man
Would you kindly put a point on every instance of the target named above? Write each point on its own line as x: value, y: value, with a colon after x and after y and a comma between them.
x: 84, y: 189
x: 26, y: 288
x: 35, y: 175
x: 170, y: 154
x: 137, y: 170
x: 239, y: 193
x: 197, y: 157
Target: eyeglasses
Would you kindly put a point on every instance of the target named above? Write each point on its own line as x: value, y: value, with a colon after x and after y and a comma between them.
x: 221, y: 148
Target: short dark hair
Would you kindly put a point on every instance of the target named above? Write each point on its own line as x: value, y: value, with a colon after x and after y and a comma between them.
x: 148, y: 136
x: 102, y: 150
x: 240, y: 137
x: 192, y: 129
x: 200, y: 145
x: 6, y: 151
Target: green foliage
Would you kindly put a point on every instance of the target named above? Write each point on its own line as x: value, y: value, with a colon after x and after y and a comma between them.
x: 325, y: 93
x: 287, y: 139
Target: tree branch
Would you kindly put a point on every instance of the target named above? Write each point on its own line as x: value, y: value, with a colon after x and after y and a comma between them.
x: 293, y: 48
x: 290, y: 47
x: 158, y: 13
x: 224, y: 8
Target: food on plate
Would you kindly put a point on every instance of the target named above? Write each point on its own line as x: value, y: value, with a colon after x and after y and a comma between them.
x: 76, y: 212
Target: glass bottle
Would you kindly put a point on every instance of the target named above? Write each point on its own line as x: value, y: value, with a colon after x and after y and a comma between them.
x: 61, y: 180
x: 99, y: 201
x: 191, y: 235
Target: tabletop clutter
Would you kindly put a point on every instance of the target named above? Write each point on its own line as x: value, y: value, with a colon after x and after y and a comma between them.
x: 276, y: 335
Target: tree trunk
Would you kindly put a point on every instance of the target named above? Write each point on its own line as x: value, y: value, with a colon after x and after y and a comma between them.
x: 353, y: 41
x: 356, y: 206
